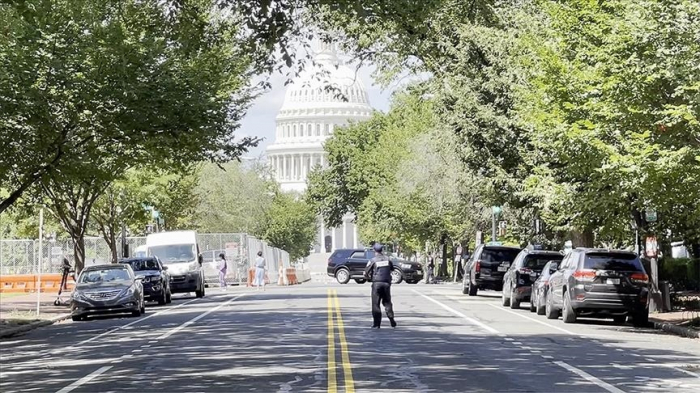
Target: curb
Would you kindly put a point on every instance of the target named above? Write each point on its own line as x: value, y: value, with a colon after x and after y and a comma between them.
x: 31, y: 326
x: 676, y: 330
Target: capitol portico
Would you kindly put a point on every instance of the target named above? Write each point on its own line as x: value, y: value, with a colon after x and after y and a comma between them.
x: 313, y: 108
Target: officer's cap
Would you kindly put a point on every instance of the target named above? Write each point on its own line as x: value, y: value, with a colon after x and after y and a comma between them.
x: 378, y: 247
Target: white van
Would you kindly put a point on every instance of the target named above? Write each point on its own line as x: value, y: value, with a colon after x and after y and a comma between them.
x: 141, y: 251
x: 179, y: 252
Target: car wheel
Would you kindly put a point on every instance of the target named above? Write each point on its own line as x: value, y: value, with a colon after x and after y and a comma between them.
x: 640, y: 319
x: 620, y: 319
x: 342, y: 276
x: 532, y: 305
x: 568, y: 314
x: 539, y: 307
x: 360, y: 280
x: 396, y: 276
x: 164, y: 298
x: 550, y: 311
x: 77, y: 318
x: 514, y: 301
x: 473, y: 289
x: 505, y: 302
x: 136, y: 313
x: 199, y: 292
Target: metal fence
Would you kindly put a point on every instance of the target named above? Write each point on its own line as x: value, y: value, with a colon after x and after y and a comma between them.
x: 22, y: 256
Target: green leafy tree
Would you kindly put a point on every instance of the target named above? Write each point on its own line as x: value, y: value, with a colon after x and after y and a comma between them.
x: 290, y: 224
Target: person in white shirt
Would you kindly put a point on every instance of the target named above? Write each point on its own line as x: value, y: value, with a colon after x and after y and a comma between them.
x: 260, y: 271
x: 222, y: 271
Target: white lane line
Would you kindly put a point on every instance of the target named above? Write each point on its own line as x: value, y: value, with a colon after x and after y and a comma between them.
x: 129, y: 324
x: 197, y: 318
x: 85, y: 379
x: 588, y: 377
x: 696, y: 375
x: 536, y: 320
x: 459, y: 314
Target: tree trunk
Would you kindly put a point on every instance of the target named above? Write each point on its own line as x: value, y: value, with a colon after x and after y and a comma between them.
x: 582, y: 239
x: 443, y: 265
x: 78, y: 250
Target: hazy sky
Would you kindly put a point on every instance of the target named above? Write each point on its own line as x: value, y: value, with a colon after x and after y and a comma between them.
x: 260, y: 120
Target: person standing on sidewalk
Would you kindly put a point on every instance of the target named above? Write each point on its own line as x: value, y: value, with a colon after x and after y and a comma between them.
x: 260, y: 271
x: 379, y: 272
x: 430, y: 268
x: 222, y: 271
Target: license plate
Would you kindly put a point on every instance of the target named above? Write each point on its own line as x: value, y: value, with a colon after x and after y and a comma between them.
x: 503, y: 268
x: 614, y: 281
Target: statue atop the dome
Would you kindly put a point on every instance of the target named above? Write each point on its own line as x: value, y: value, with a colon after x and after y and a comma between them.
x: 327, y: 51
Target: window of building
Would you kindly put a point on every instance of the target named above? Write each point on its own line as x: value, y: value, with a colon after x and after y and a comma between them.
x: 318, y: 129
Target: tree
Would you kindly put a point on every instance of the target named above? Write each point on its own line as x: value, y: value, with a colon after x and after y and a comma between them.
x: 233, y: 198
x: 290, y: 224
x: 128, y: 82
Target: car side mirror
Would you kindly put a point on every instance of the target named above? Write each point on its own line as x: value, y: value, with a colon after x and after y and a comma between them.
x: 139, y: 278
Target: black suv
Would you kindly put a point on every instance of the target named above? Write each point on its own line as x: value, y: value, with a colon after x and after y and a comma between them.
x: 486, y: 267
x: 349, y: 263
x: 156, y: 280
x: 599, y: 283
x: 518, y: 280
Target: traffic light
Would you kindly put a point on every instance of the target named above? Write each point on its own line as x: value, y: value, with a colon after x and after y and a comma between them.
x: 502, y: 228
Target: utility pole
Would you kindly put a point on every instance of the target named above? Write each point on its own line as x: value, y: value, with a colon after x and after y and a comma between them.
x: 41, y: 257
x: 495, y: 210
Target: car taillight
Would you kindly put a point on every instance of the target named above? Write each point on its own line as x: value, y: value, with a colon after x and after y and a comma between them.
x: 584, y: 275
x: 639, y: 278
x: 477, y: 268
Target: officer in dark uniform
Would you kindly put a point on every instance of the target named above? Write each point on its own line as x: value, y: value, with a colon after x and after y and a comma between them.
x: 378, y: 271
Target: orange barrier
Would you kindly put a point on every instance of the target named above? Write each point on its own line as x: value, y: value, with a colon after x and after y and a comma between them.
x: 19, y: 283
x: 251, y: 277
x: 291, y: 274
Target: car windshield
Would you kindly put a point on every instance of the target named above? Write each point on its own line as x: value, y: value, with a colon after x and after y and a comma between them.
x: 104, y: 275
x: 537, y: 262
x: 499, y: 255
x: 617, y: 262
x: 143, y: 264
x: 174, y: 252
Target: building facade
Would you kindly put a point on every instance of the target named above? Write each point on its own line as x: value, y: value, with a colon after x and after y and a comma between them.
x: 324, y: 97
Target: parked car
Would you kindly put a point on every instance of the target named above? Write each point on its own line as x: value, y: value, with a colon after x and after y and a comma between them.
x: 540, y: 286
x: 349, y: 263
x: 486, y: 268
x: 156, y: 280
x: 107, y: 289
x: 599, y: 283
x: 517, y: 282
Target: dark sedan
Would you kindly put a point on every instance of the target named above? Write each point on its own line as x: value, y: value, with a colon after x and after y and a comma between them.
x: 107, y: 289
x: 156, y: 280
x: 539, y: 288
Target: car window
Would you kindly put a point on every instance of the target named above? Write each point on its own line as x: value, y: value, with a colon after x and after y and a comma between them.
x: 613, y: 261
x: 519, y: 260
x: 499, y: 255
x: 358, y: 254
x: 105, y: 275
x: 537, y: 262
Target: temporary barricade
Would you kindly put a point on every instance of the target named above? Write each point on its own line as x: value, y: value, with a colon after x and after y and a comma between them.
x: 19, y: 283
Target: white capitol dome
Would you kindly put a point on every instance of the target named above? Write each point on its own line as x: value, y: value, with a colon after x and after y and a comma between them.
x: 311, y: 111
x: 313, y: 108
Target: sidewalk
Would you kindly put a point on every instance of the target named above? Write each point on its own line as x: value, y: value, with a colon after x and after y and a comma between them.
x: 19, y: 309
x: 683, y: 323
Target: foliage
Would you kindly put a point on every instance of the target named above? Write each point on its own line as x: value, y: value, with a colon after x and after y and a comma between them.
x: 126, y: 83
x: 290, y: 224
x: 232, y: 198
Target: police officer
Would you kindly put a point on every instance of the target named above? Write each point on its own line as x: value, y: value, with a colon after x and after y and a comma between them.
x: 378, y: 271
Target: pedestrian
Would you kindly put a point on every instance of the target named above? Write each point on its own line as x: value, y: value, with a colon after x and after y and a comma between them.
x: 379, y: 272
x: 222, y: 271
x: 260, y: 271
x: 430, y: 268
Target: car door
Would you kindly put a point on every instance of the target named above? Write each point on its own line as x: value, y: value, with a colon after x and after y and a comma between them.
x: 469, y: 269
x: 357, y: 262
x: 556, y: 280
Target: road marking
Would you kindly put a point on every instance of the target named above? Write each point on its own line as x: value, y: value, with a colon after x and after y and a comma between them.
x: 128, y: 324
x: 588, y: 377
x: 459, y: 314
x: 536, y: 320
x: 198, y: 317
x: 345, y: 355
x: 696, y: 375
x: 85, y: 379
x: 332, y: 378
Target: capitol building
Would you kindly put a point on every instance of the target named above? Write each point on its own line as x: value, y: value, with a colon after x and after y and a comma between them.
x: 309, y: 115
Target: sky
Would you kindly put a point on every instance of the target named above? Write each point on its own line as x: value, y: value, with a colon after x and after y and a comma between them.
x: 260, y: 119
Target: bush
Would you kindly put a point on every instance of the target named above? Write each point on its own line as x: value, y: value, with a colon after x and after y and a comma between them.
x: 682, y: 273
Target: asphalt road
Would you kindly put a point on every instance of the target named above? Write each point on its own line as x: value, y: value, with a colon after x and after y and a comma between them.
x: 317, y: 337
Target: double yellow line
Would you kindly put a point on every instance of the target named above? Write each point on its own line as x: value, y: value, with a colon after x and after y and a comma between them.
x: 335, y: 318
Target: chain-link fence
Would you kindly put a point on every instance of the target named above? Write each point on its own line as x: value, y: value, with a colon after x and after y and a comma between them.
x: 22, y: 256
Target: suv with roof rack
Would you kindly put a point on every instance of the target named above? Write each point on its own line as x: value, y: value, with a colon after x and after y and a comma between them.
x: 599, y: 283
